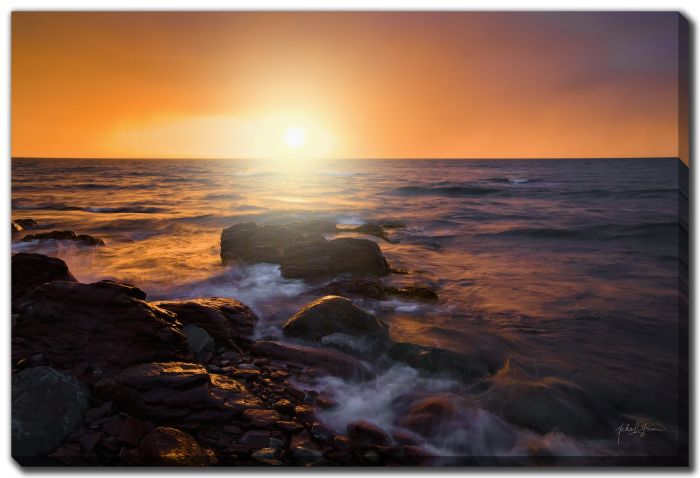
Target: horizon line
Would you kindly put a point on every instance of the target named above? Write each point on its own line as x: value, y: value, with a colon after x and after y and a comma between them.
x: 451, y: 158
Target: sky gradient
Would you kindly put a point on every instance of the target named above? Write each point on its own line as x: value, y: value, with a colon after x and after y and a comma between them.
x: 359, y: 85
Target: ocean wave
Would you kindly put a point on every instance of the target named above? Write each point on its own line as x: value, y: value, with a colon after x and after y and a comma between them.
x: 511, y: 180
x: 660, y: 230
x: 448, y: 191
x: 67, y: 207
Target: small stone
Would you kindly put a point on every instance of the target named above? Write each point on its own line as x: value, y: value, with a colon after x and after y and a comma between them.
x: 320, y: 432
x: 363, y: 433
x: 89, y: 441
x: 131, y: 432
x: 261, y: 418
x: 255, y: 439
x: 306, y: 456
x: 98, y: 412
x: 289, y: 425
x: 113, y: 427
x: 284, y: 406
x: 266, y: 455
x: 304, y: 413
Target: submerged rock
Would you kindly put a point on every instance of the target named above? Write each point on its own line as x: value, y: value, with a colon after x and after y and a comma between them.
x: 224, y: 319
x: 30, y: 270
x: 167, y: 446
x: 371, y: 230
x: 65, y: 236
x: 107, y: 325
x: 321, y: 258
x: 26, y: 223
x: 439, y: 361
x: 365, y: 434
x: 330, y: 361
x: 47, y: 406
x: 335, y: 315
x: 413, y: 291
x: 547, y: 404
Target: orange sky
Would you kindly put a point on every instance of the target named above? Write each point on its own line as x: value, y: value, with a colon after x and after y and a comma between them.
x: 366, y: 85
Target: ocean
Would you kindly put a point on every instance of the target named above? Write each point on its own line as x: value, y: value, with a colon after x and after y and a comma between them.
x: 567, y: 277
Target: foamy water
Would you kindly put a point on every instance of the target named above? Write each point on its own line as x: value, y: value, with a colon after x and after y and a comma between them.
x: 567, y: 271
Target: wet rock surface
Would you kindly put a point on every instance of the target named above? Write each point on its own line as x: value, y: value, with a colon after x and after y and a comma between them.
x: 30, y: 270
x: 335, y: 315
x: 106, y: 325
x: 301, y: 250
x: 226, y: 320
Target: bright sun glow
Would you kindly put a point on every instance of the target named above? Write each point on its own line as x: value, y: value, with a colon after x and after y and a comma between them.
x: 294, y: 138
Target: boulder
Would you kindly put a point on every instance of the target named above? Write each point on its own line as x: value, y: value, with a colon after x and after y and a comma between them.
x: 431, y: 416
x: 47, y: 406
x: 177, y: 392
x: 365, y: 287
x: 320, y: 258
x: 107, y: 325
x: 224, y: 319
x: 333, y: 314
x: 65, y: 236
x: 436, y: 361
x: 329, y: 361
x: 249, y: 243
x: 166, y: 446
x: 30, y: 270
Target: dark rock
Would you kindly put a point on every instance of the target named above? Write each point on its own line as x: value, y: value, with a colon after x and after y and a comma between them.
x: 65, y: 236
x: 199, y: 341
x: 98, y: 412
x: 224, y: 319
x: 114, y: 426
x: 105, y: 324
x: 172, y: 447
x: 321, y: 258
x: 267, y: 455
x: 439, y: 361
x: 305, y: 413
x: 255, y: 439
x: 47, y: 406
x: 329, y: 361
x: 284, y: 406
x: 249, y: 243
x: 369, y: 288
x: 30, y: 270
x: 177, y: 392
x: 289, y: 425
x: 321, y: 432
x: 334, y: 315
x: 26, y: 223
x: 131, y: 432
x: 318, y: 226
x: 306, y: 455
x: 263, y: 419
x: 89, y: 441
x: 15, y: 227
x: 365, y: 434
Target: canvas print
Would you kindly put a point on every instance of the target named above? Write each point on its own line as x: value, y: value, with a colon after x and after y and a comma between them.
x: 340, y: 239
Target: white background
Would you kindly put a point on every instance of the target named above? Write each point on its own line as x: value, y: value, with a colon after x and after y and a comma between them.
x: 689, y: 8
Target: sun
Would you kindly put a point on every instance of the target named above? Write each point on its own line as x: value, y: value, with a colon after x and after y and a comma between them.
x: 294, y: 138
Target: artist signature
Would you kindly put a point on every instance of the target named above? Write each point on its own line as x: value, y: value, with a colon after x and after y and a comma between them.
x: 639, y: 428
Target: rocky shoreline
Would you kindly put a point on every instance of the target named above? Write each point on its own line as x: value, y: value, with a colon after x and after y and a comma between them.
x: 134, y: 382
